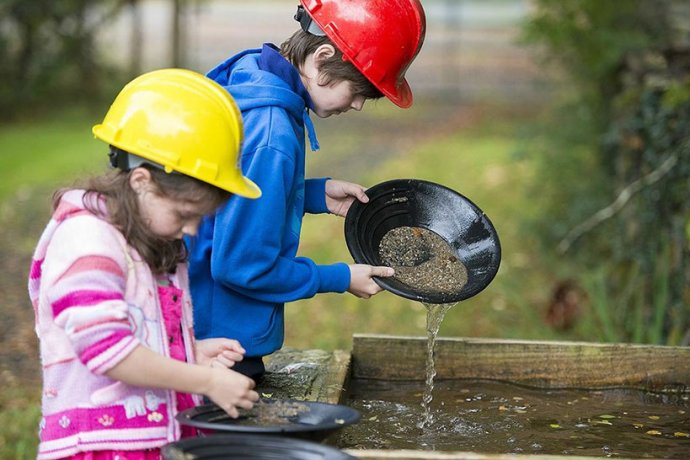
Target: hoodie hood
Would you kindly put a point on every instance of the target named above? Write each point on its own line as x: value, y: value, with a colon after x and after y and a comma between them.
x: 260, y: 78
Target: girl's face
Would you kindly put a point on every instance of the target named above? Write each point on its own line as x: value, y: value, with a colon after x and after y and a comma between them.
x: 329, y: 99
x: 166, y: 218
x: 170, y: 219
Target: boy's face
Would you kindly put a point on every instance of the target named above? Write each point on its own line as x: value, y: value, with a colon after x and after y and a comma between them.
x: 334, y: 98
x: 329, y: 98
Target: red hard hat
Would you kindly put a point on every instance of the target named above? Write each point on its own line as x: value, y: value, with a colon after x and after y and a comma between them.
x: 380, y: 37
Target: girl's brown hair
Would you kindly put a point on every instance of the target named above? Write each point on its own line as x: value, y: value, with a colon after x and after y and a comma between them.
x: 123, y: 210
x: 335, y: 69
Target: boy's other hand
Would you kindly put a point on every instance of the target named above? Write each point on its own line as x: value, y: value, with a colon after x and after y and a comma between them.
x: 340, y: 195
x: 361, y: 281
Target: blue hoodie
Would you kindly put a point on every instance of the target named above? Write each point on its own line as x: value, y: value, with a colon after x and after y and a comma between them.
x: 242, y: 263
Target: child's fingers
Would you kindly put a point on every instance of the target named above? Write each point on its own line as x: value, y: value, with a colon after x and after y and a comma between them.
x: 231, y: 356
x: 246, y: 403
x: 231, y: 345
x: 231, y: 410
x: 382, y: 271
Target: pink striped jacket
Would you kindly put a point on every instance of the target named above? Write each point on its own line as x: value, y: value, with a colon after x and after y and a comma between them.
x: 94, y: 301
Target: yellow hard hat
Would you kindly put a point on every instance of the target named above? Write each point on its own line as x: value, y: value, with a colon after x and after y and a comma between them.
x: 184, y: 122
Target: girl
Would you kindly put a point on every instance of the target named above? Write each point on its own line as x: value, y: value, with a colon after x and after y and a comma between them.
x: 108, y: 280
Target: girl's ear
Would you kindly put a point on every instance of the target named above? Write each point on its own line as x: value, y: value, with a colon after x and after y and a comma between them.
x: 140, y: 180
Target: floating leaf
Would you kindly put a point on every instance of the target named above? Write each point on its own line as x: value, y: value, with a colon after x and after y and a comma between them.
x: 602, y: 422
x: 680, y: 434
x: 517, y: 398
x: 606, y: 416
x: 554, y: 425
x: 654, y: 432
x: 638, y: 425
x: 266, y: 395
x: 520, y: 411
x: 654, y: 417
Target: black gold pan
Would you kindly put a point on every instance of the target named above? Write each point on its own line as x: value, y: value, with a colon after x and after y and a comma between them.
x: 417, y: 203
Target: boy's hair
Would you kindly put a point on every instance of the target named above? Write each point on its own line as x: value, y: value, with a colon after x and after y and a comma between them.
x: 123, y: 211
x: 301, y: 44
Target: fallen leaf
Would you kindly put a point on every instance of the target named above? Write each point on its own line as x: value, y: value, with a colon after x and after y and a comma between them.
x: 680, y: 434
x: 602, y: 422
x: 554, y: 425
x: 266, y: 395
x: 654, y: 432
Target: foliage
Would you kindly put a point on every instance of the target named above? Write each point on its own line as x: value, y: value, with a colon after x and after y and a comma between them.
x: 48, y: 52
x: 622, y: 162
x: 589, y: 38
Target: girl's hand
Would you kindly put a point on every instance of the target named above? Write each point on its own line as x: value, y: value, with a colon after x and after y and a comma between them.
x: 361, y: 282
x: 340, y: 196
x: 218, y: 352
x: 231, y: 390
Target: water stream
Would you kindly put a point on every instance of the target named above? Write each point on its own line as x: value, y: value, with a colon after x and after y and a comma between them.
x: 434, y: 317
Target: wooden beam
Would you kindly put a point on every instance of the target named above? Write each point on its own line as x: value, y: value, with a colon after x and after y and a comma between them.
x: 541, y: 364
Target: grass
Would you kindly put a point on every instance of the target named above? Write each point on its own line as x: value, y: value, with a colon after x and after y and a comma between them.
x: 48, y: 153
x: 19, y: 421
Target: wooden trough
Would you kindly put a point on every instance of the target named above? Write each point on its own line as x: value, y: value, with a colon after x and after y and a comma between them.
x: 322, y: 376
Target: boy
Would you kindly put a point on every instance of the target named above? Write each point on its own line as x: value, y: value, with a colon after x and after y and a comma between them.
x: 243, y: 264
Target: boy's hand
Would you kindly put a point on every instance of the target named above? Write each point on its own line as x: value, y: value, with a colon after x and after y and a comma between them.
x: 218, y: 352
x: 361, y: 282
x: 340, y: 195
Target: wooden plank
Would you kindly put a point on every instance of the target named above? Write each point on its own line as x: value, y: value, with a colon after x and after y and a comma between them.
x: 336, y: 378
x: 541, y: 364
x: 373, y: 454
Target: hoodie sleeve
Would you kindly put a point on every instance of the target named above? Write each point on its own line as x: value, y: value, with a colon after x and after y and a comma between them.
x: 315, y: 196
x: 246, y: 252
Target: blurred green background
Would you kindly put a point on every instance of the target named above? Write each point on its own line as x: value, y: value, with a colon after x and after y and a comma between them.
x: 568, y: 123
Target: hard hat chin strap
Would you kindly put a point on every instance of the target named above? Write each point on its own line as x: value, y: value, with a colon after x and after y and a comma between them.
x: 307, y: 23
x: 126, y: 161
